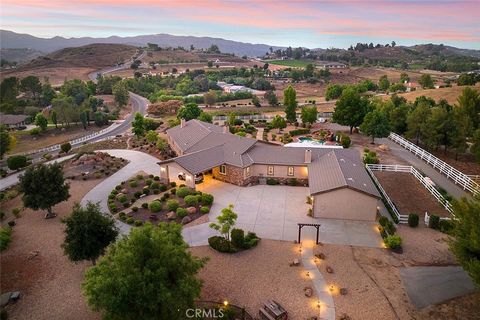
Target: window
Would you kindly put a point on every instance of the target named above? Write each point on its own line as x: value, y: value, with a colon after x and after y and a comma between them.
x: 247, y: 171
x: 291, y: 171
x: 270, y: 170
x: 223, y: 169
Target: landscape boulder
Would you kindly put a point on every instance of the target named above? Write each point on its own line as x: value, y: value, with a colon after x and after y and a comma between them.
x: 186, y: 220
x: 191, y: 210
x: 171, y: 215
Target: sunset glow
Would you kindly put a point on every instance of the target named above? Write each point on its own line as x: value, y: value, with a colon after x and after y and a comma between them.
x: 305, y: 23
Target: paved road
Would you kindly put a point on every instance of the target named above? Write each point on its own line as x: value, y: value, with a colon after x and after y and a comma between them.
x: 427, y: 169
x: 432, y: 285
x: 13, y: 179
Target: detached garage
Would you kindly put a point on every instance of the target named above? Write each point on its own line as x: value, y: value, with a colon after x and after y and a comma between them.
x: 342, y: 189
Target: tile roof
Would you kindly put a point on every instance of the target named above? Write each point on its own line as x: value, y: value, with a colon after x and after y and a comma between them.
x: 11, y: 119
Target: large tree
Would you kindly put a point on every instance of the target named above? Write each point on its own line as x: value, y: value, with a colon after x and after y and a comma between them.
x: 32, y: 85
x: 350, y: 108
x: 189, y: 111
x: 138, y: 125
x: 416, y: 121
x: 271, y: 97
x: 209, y: 98
x: 375, y: 125
x: 469, y: 100
x: 439, y: 127
x: 279, y: 123
x: 5, y: 141
x: 309, y: 114
x: 120, y: 94
x: 147, y: 275
x: 43, y: 186
x: 290, y: 103
x: 41, y: 121
x: 465, y: 243
x: 383, y: 83
x: 426, y: 81
x: 88, y: 232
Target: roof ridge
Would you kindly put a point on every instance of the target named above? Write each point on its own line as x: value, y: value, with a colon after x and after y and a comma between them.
x: 337, y: 162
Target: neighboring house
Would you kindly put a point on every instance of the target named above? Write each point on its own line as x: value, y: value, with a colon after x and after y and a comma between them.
x: 339, y: 184
x: 13, y: 121
x: 331, y: 65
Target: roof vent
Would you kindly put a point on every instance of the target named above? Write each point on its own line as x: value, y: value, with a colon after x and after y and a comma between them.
x: 350, y: 179
x: 343, y: 160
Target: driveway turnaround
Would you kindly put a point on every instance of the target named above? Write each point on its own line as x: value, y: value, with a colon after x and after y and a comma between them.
x: 273, y: 213
x: 139, y: 161
x: 432, y: 285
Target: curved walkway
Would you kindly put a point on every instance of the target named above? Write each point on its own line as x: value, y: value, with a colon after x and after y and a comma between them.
x: 139, y: 161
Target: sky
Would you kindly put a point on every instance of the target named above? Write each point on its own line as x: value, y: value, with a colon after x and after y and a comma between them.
x: 309, y: 23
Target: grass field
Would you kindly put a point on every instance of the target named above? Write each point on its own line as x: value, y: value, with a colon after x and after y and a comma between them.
x: 290, y: 63
x: 450, y: 94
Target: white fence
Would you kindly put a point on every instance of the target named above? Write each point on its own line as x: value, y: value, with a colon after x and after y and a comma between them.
x: 461, y: 179
x: 425, y: 182
x: 427, y: 218
x: 73, y: 142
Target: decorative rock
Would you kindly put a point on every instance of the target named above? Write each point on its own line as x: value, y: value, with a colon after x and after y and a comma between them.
x: 171, y: 215
x: 329, y: 269
x: 343, y: 291
x: 320, y: 256
x: 384, y: 147
x: 191, y: 210
x: 308, y: 292
x: 33, y: 254
x: 186, y: 220
x: 295, y: 263
x: 344, y: 317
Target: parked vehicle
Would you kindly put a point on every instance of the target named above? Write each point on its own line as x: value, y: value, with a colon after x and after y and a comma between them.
x: 198, y: 177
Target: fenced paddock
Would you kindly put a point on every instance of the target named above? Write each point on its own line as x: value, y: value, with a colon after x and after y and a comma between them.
x: 466, y: 182
x: 403, y: 218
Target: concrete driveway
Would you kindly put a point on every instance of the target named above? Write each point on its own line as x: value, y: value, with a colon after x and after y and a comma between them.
x: 273, y: 213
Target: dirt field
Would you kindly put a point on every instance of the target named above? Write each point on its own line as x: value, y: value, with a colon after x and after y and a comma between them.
x: 373, y: 283
x: 413, y: 197
x: 49, y: 282
x: 450, y: 94
x: 249, y: 278
x: 55, y: 75
x: 27, y: 142
x: 122, y: 112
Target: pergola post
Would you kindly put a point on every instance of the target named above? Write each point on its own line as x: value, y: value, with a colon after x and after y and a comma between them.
x: 301, y: 225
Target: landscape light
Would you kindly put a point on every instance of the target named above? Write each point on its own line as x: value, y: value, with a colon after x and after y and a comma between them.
x: 225, y: 303
x: 308, y: 274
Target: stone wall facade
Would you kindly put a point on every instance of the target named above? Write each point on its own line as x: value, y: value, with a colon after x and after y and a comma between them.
x: 234, y: 175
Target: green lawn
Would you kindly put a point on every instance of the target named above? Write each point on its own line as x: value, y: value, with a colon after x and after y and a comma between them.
x: 291, y: 63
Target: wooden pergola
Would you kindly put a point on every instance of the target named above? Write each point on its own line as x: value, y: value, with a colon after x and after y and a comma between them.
x: 301, y: 225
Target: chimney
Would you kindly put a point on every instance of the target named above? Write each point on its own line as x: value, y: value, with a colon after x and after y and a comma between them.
x: 182, y: 123
x: 226, y: 129
x: 308, y: 156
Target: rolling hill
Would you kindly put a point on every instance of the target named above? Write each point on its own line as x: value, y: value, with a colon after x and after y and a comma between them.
x: 13, y: 40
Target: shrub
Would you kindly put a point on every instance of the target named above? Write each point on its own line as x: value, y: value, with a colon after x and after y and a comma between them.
x: 299, y: 131
x: 163, y: 188
x: 133, y: 183
x: 220, y: 244
x: 139, y: 177
x: 272, y: 181
x: 173, y: 191
x: 393, y: 242
x: 206, y: 199
x: 238, y: 238
x: 370, y: 158
x: 11, y: 223
x: 146, y: 191
x: 16, y: 162
x: 123, y: 198
x: 434, y: 222
x: 66, y: 147
x: 130, y: 220
x: 292, y: 181
x: 173, y: 184
x: 251, y: 240
x: 35, y: 131
x: 346, y: 141
x: 114, y: 192
x: 172, y: 205
x: 156, y: 178
x: 156, y: 191
x: 134, y: 209
x: 191, y: 201
x: 148, y: 182
x: 113, y: 208
x: 5, y: 237
x: 137, y: 194
x: 138, y: 223
x: 111, y: 196
x: 413, y: 220
x: 144, y: 205
x: 118, y: 187
x: 183, y: 192
x: 155, y: 206
x: 204, y: 210
x: 181, y: 212
x: 2, y: 215
x: 155, y: 185
x: 126, y: 204
x: 16, y: 212
x: 445, y: 226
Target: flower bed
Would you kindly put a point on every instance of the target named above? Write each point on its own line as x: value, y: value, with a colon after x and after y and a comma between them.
x: 171, y: 204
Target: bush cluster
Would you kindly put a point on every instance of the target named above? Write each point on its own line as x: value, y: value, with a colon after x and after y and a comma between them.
x: 299, y: 131
x: 182, y: 192
x: 272, y: 181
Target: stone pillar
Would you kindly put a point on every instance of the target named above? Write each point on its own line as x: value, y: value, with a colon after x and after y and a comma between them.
x: 190, y: 180
x: 164, y: 175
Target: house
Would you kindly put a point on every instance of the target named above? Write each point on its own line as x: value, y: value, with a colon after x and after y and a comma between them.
x: 339, y: 185
x: 331, y: 65
x: 13, y: 121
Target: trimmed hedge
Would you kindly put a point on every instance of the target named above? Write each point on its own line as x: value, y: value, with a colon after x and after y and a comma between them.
x: 191, y: 201
x: 393, y: 242
x: 434, y: 222
x: 413, y: 220
x: 204, y: 210
x: 172, y: 205
x: 207, y: 199
x: 221, y: 244
x: 155, y: 206
x: 238, y: 237
x: 272, y: 181
x: 182, y: 192
x: 181, y: 212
